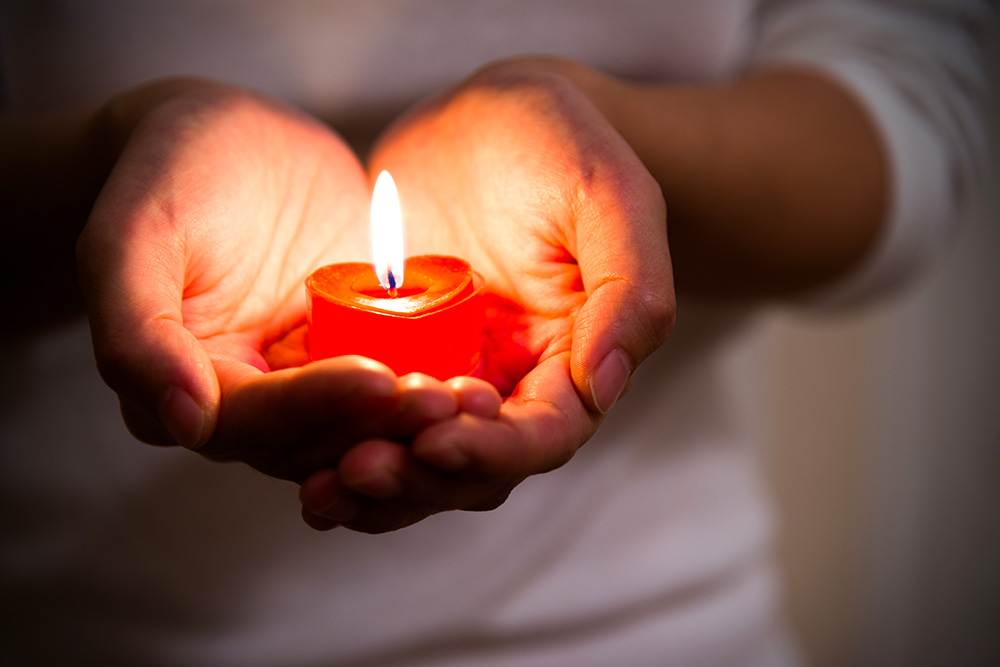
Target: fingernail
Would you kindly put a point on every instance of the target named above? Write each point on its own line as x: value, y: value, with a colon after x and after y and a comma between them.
x: 183, y: 417
x: 609, y: 380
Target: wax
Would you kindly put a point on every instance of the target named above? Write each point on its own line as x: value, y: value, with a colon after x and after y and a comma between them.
x: 433, y: 325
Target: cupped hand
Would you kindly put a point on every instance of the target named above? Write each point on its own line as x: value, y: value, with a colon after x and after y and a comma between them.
x: 518, y: 172
x: 193, y: 262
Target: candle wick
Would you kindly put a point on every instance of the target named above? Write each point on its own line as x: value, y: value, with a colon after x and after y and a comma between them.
x: 392, y: 286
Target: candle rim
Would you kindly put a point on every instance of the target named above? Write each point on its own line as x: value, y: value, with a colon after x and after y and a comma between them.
x: 435, y: 298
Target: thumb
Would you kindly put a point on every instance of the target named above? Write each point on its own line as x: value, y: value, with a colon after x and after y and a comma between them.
x: 131, y: 269
x: 630, y: 306
x: 168, y: 393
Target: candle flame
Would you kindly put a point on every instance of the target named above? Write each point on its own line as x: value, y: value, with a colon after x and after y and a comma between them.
x: 387, y: 234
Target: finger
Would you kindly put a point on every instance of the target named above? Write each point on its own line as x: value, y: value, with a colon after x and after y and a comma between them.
x: 379, y: 486
x: 318, y: 494
x: 475, y: 396
x: 538, y: 429
x: 326, y: 500
x: 131, y: 268
x: 328, y: 403
x: 387, y: 471
x: 291, y: 351
x: 423, y: 400
x: 317, y: 522
x: 625, y: 266
x: 143, y: 426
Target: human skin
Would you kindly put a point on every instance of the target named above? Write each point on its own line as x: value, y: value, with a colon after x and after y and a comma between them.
x: 533, y: 161
x: 193, y: 257
x: 525, y: 179
x: 192, y: 262
x: 221, y: 202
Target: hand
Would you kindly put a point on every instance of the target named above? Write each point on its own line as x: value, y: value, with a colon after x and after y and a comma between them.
x: 193, y: 262
x: 516, y: 171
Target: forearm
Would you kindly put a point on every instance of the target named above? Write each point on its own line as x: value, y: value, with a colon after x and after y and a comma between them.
x: 774, y: 183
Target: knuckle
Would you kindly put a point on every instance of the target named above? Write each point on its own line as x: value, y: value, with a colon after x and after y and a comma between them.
x: 650, y: 314
x: 659, y: 314
x: 115, y: 363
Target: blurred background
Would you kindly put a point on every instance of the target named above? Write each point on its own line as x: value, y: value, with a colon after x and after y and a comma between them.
x: 884, y: 432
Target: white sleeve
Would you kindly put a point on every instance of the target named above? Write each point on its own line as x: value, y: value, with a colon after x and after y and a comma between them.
x: 919, y: 69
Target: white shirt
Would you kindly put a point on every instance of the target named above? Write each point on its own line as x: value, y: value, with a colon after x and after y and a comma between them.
x: 651, y: 547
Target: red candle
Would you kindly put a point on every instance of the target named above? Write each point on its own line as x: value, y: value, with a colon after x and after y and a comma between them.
x: 424, y: 315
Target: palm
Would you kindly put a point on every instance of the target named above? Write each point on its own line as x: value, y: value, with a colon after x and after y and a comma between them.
x: 495, y: 178
x: 194, y: 258
x: 194, y: 261
x: 278, y: 196
x: 525, y: 179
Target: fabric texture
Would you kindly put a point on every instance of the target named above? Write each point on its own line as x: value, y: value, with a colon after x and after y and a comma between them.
x: 651, y: 547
